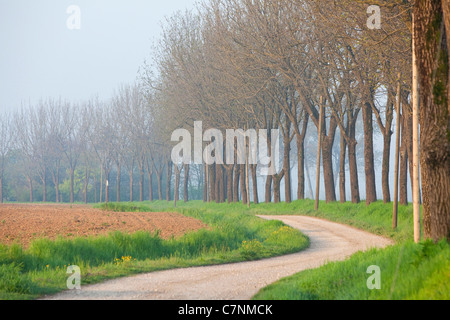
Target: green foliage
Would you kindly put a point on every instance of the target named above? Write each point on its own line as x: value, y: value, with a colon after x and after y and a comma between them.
x: 408, y: 271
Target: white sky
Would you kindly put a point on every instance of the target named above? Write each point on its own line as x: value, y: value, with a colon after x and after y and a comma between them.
x: 40, y: 57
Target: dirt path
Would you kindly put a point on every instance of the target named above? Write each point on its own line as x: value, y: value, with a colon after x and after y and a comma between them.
x: 240, y: 281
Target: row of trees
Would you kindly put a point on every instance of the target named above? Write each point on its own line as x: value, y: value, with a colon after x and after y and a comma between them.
x: 238, y: 64
x: 308, y: 68
x: 273, y: 64
x: 73, y: 150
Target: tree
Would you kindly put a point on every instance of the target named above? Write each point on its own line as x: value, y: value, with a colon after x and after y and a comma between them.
x: 6, y: 139
x: 432, y: 29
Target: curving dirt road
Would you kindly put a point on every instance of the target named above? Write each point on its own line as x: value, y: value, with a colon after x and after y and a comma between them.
x: 329, y: 242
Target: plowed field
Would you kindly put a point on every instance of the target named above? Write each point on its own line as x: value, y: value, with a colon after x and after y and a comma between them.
x: 25, y: 222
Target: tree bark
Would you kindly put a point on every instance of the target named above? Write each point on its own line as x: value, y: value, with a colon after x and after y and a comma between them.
x: 342, y: 195
x: 118, y: 183
x: 72, y: 173
x: 327, y: 160
x: 352, y: 162
x: 433, y: 63
x: 243, y: 178
x: 230, y: 183
x: 255, y: 184
x: 1, y: 188
x: 186, y: 183
x: 369, y: 167
x: 403, y: 178
x: 168, y: 178
x: 287, y: 168
x: 30, y: 186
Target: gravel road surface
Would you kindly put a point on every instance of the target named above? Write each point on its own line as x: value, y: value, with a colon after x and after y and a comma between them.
x: 240, y: 281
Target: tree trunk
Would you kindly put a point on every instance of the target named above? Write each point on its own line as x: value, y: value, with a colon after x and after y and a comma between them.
x: 131, y: 185
x: 186, y: 183
x: 205, y: 183
x: 72, y: 174
x: 397, y: 156
x: 107, y: 173
x: 268, y: 190
x: 230, y: 183
x: 404, y: 159
x: 176, y: 187
x: 30, y: 186
x: 433, y: 64
x: 1, y: 188
x: 276, y: 188
x: 319, y: 148
x: 86, y: 182
x: 369, y: 167
x: 287, y: 168
x: 150, y: 184
x: 118, y: 183
x: 342, y: 195
x: 255, y: 184
x: 385, y: 168
x: 352, y: 162
x: 300, y: 169
x: 44, y: 186
x: 169, y: 178
x: 301, y: 159
x: 243, y: 188
x: 327, y: 159
x: 141, y: 184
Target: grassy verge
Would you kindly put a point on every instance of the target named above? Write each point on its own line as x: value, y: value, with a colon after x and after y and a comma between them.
x: 407, y: 270
x: 234, y: 235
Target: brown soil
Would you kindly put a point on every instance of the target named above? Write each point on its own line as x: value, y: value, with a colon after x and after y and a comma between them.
x: 26, y: 222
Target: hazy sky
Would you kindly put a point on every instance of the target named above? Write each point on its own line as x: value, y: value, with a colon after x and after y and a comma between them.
x: 41, y: 57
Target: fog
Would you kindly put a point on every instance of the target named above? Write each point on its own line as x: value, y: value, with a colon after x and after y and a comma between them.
x: 41, y: 57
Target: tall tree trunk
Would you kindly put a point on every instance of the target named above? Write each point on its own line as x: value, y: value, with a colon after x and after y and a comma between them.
x: 118, y: 182
x: 255, y: 183
x: 243, y: 177
x: 276, y: 179
x: 86, y: 182
x: 205, y: 183
x: 300, y: 169
x: 352, y: 162
x: 44, y: 186
x: 433, y: 64
x: 186, y: 182
x: 403, y: 178
x: 369, y: 167
x: 72, y: 174
x: 168, y: 178
x: 30, y: 186
x: 150, y: 184
x: 385, y: 168
x: 327, y: 159
x: 107, y: 173
x: 230, y: 183
x: 301, y: 158
x: 131, y: 184
x: 176, y: 187
x: 319, y: 149
x: 397, y: 155
x: 141, y: 183
x: 1, y: 187
x: 287, y: 168
x: 342, y: 195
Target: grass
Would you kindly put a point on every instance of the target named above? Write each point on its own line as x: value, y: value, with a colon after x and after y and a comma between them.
x: 409, y: 271
x: 234, y: 235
